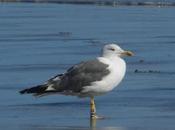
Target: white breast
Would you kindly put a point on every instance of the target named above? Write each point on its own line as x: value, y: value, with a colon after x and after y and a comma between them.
x: 117, y: 68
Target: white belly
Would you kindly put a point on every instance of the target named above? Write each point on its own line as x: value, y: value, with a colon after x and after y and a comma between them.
x: 117, y: 70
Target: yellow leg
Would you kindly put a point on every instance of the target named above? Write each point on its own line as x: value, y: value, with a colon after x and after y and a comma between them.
x: 93, y: 114
x: 92, y: 108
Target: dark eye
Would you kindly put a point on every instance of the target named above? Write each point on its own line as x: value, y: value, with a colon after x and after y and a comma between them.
x: 112, y: 49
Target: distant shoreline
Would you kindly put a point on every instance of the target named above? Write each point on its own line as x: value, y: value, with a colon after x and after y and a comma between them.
x: 97, y: 2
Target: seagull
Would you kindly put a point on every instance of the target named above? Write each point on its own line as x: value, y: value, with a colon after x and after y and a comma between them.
x: 88, y: 78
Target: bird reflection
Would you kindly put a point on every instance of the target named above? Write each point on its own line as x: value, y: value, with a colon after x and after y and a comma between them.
x: 93, y: 122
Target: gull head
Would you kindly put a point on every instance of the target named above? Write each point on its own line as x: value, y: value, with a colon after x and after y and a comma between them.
x: 113, y: 50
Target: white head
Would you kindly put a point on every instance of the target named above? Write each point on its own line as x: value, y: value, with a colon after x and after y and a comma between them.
x: 111, y: 50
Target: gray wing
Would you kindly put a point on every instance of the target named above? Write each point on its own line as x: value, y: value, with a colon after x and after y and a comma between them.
x: 80, y: 75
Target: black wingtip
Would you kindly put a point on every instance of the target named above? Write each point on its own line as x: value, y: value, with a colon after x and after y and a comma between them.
x: 36, y: 89
x: 23, y: 91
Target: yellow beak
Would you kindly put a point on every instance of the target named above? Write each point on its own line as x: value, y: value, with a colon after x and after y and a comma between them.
x: 128, y: 53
